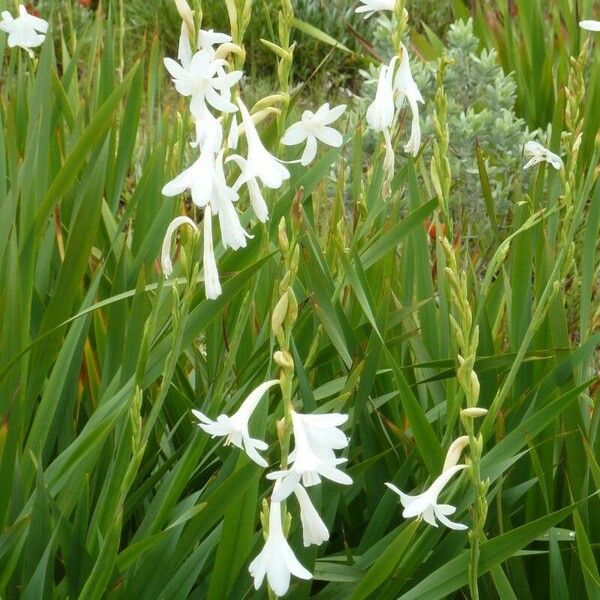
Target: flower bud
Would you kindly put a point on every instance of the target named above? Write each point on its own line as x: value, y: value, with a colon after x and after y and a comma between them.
x: 187, y: 15
x: 475, y: 387
x: 284, y: 244
x: 292, y: 312
x: 474, y: 412
x: 283, y: 359
x: 279, y: 314
x: 454, y: 452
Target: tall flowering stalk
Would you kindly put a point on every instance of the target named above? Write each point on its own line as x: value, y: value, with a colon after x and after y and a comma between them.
x: 466, y: 332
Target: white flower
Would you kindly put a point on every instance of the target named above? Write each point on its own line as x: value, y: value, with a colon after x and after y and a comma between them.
x: 406, y: 89
x: 260, y: 164
x: 380, y: 114
x: 212, y: 285
x: 198, y: 178
x: 165, y: 255
x: 315, y: 438
x: 426, y: 505
x: 276, y: 560
x: 314, y: 530
x: 371, y: 6
x: 26, y: 31
x: 313, y: 127
x: 259, y: 206
x: 590, y: 25
x: 235, y: 428
x: 233, y: 235
x: 537, y: 153
x: 205, y: 81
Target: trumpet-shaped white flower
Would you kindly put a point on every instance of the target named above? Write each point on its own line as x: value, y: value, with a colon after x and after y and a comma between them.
x: 26, y: 31
x: 590, y: 25
x: 233, y: 235
x: 406, y: 89
x: 235, y: 428
x: 165, y: 255
x: 537, y: 154
x: 257, y: 201
x: 260, y: 164
x: 198, y: 178
x: 370, y: 7
x: 276, y: 560
x: 314, y: 531
x: 212, y: 285
x: 205, y: 81
x: 426, y: 505
x: 313, y: 456
x: 380, y: 114
x: 313, y: 127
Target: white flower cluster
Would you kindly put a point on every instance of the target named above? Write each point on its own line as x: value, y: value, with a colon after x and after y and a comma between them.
x: 207, y: 79
x: 316, y: 438
x: 25, y: 31
x: 395, y: 87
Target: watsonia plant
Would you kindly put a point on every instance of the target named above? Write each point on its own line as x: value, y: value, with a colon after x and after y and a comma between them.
x: 342, y: 302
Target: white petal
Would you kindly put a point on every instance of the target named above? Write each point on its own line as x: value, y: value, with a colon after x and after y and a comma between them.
x: 212, y: 285
x: 405, y: 499
x: 252, y: 453
x: 286, y: 486
x: 590, y: 25
x: 445, y: 521
x: 330, y: 136
x: 295, y: 134
x: 334, y: 114
x: 310, y: 151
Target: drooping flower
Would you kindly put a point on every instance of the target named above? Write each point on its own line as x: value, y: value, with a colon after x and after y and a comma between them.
x: 406, y: 89
x: 212, y: 285
x: 165, y: 255
x: 313, y: 456
x: 233, y: 235
x: 537, y: 154
x: 426, y: 505
x: 314, y: 531
x: 259, y: 206
x: 372, y: 6
x: 313, y: 127
x: 260, y: 164
x: 25, y: 31
x: 380, y: 114
x: 276, y: 560
x: 235, y: 428
x: 205, y: 81
x: 198, y: 178
x: 590, y: 25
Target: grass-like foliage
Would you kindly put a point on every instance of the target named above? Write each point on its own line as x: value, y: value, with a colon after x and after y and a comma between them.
x: 360, y: 294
